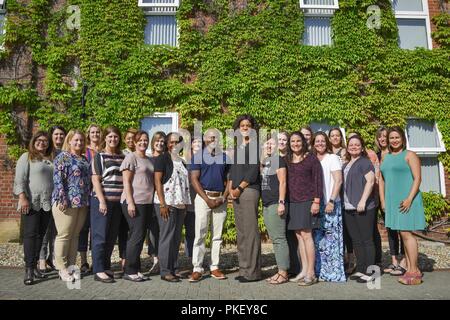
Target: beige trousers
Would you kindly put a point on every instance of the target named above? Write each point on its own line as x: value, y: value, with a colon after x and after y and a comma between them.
x: 68, y: 225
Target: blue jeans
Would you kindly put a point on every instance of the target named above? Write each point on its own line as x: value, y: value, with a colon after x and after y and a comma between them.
x: 104, y: 229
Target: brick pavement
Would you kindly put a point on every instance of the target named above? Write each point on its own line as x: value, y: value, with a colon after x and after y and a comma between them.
x: 436, y: 286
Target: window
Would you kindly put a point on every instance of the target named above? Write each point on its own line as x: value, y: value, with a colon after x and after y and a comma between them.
x: 413, y: 23
x: 2, y: 18
x: 424, y: 138
x: 325, y: 127
x: 166, y: 122
x: 161, y: 26
x: 318, y: 15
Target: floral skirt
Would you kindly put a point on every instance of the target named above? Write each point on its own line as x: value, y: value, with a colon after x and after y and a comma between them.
x: 329, y: 244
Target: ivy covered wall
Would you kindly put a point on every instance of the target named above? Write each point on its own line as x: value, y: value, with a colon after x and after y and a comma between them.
x: 234, y: 57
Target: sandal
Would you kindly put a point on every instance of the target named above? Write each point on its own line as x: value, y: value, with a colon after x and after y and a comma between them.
x: 399, y: 271
x: 308, y: 281
x: 390, y: 268
x: 276, y: 279
x: 410, y: 278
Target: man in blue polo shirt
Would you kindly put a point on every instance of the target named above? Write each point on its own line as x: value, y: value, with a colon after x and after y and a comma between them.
x: 209, y: 179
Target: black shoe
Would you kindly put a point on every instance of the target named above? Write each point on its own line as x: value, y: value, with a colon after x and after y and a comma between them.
x: 170, y: 278
x: 84, y: 269
x: 29, y: 277
x: 50, y: 264
x: 107, y: 280
x: 245, y: 280
x: 38, y: 274
x: 238, y: 278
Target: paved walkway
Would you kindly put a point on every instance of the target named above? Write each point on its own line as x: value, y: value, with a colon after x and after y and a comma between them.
x: 436, y: 286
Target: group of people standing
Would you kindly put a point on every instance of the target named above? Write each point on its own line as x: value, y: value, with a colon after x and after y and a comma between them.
x: 317, y: 195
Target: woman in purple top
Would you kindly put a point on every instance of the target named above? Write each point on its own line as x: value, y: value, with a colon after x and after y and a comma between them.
x: 305, y: 185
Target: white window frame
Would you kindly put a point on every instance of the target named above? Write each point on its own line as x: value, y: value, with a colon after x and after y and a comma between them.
x: 334, y: 6
x: 424, y: 150
x: 3, y: 31
x: 417, y: 15
x: 154, y: 9
x: 173, y: 115
x: 175, y: 5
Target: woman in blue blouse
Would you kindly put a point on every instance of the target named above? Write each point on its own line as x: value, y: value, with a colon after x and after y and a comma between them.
x: 70, y: 200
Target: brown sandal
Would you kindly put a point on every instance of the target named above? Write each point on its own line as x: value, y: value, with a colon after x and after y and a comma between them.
x: 276, y: 280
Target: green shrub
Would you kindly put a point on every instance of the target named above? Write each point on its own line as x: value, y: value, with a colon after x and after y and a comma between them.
x: 435, y: 206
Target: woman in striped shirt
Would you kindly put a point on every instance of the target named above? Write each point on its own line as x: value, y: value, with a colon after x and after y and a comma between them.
x: 106, y: 211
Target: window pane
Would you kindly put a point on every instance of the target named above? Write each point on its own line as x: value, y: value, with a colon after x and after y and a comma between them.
x: 408, y: 5
x: 317, y: 31
x: 422, y: 134
x: 412, y: 33
x: 161, y: 30
x: 153, y: 124
x: 431, y: 178
x: 158, y: 1
x: 320, y: 126
x: 320, y: 2
x: 2, y: 22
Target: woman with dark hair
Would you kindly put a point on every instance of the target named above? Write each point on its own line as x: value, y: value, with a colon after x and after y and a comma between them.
x: 360, y: 206
x: 158, y: 147
x: 137, y: 203
x: 396, y: 267
x: 402, y: 200
x: 338, y: 143
x: 308, y: 134
x: 106, y: 211
x: 173, y: 195
x: 305, y: 185
x: 46, y: 255
x: 244, y: 190
x: 70, y: 200
x: 33, y: 183
x: 129, y: 141
x: 329, y: 237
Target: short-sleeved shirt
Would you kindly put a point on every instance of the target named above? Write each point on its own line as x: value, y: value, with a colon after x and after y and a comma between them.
x: 108, y: 167
x: 213, y: 170
x: 355, y: 181
x: 330, y: 163
x: 270, y: 185
x: 143, y: 179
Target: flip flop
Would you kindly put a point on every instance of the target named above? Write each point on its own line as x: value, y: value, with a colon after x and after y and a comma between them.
x: 390, y: 268
x: 399, y: 271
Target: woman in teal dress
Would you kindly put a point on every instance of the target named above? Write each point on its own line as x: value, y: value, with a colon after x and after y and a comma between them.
x: 401, y: 199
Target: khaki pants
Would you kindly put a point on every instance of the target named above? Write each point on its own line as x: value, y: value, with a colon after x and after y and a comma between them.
x: 202, y: 216
x: 68, y: 226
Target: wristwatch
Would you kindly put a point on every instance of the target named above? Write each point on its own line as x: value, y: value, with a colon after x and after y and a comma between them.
x: 240, y: 189
x: 163, y: 205
x: 331, y: 201
x: 281, y: 202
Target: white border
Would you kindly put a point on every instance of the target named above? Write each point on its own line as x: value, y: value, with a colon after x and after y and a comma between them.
x: 176, y: 4
x: 165, y: 13
x: 417, y: 15
x: 173, y: 115
x: 442, y: 176
x: 334, y: 6
x: 424, y: 150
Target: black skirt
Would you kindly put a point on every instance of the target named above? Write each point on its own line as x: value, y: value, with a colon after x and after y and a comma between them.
x: 300, y: 216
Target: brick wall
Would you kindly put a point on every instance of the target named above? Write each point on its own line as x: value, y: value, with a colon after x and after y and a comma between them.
x: 434, y: 10
x: 447, y: 184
